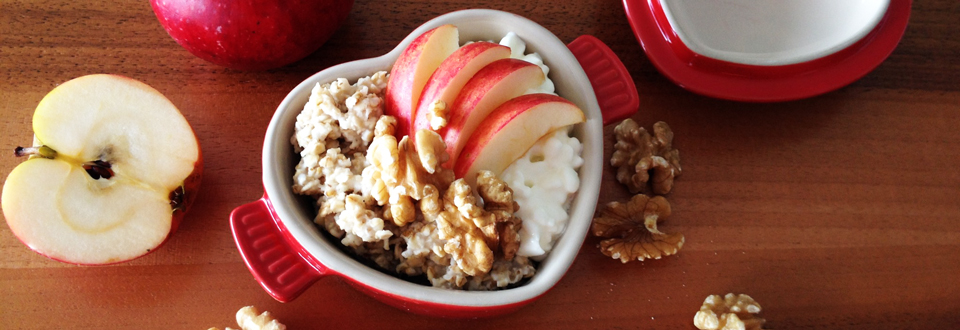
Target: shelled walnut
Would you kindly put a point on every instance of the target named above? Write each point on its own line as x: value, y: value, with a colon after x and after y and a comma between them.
x: 457, y: 243
x: 729, y: 313
x: 631, y: 229
x: 498, y: 201
x: 249, y: 318
x: 402, y: 169
x: 637, y: 154
x: 463, y: 224
x: 437, y: 115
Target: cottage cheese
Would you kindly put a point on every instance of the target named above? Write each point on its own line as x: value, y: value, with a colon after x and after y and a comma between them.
x: 543, y: 182
x: 545, y: 178
x: 517, y: 49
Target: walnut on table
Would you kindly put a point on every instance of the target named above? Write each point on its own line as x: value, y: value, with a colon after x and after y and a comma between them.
x: 249, y: 318
x: 636, y: 154
x: 731, y: 312
x: 631, y: 230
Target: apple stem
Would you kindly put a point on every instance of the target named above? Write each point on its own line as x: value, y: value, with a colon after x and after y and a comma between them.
x: 41, y: 151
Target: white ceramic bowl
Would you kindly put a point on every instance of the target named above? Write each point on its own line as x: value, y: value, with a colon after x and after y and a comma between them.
x: 772, y: 32
x: 287, y: 252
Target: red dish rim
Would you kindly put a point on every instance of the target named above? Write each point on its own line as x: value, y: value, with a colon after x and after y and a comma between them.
x: 754, y: 83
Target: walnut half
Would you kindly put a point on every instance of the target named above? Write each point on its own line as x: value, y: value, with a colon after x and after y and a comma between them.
x: 249, y: 318
x: 498, y: 201
x: 462, y: 224
x: 631, y: 229
x: 401, y: 170
x: 732, y: 312
x: 636, y: 154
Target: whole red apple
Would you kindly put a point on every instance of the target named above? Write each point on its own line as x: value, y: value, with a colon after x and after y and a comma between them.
x: 251, y: 34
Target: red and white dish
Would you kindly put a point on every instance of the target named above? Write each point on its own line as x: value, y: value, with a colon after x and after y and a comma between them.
x: 287, y: 253
x: 767, y: 51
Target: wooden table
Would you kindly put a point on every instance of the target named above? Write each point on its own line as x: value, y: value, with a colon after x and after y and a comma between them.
x: 840, y: 211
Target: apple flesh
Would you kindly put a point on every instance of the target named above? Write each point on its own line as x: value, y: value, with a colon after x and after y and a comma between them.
x: 490, y: 87
x: 251, y: 35
x: 446, y: 82
x: 411, y: 71
x: 115, y: 169
x: 510, y: 130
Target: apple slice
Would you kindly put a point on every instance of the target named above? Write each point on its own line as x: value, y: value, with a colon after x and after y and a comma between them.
x: 114, y: 171
x: 510, y: 130
x: 490, y: 87
x: 412, y: 70
x: 447, y: 81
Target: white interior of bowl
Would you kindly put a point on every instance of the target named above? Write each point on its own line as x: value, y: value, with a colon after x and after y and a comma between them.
x: 771, y: 32
x: 571, y: 83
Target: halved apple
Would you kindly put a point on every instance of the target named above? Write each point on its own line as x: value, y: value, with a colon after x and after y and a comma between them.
x: 510, y: 130
x: 413, y: 68
x: 114, y: 169
x: 447, y: 81
x: 490, y: 87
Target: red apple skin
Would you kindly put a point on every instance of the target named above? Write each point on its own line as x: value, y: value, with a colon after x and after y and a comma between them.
x: 495, y: 122
x: 251, y: 35
x: 398, y: 96
x: 459, y: 120
x: 456, y: 66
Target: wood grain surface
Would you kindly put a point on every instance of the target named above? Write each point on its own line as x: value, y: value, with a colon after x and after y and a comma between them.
x: 840, y: 211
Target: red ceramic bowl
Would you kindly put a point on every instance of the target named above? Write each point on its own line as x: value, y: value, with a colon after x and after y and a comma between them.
x: 287, y: 253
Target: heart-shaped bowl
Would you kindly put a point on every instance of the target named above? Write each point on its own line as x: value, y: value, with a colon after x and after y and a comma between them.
x: 287, y: 252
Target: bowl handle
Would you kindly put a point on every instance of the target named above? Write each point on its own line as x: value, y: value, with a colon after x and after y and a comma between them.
x: 282, y: 272
x: 611, y: 81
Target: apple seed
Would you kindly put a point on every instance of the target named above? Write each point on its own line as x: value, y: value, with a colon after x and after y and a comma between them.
x: 98, y: 169
x: 176, y: 199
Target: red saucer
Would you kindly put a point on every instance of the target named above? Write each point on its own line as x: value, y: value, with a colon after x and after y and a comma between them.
x: 754, y: 83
